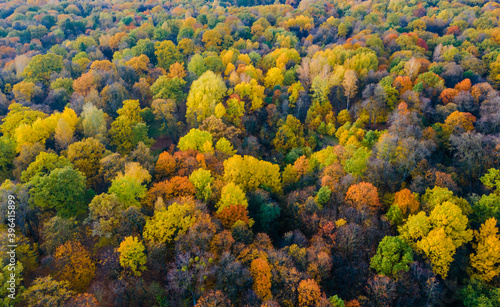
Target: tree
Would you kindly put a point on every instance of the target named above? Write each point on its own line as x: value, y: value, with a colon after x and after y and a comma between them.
x: 412, y: 67
x: 437, y: 236
x: 250, y: 173
x: 129, y: 190
x: 19, y: 115
x: 165, y: 166
x: 486, y: 259
x: 167, y: 54
x: 393, y: 255
x: 274, y: 77
x: 56, y: 232
x: 105, y: 214
x: 197, y: 65
x: 167, y: 225
x: 213, y: 298
x: 7, y: 155
x: 363, y: 194
x: 94, y: 123
x: 406, y: 202
x: 132, y: 255
x: 224, y: 146
x: 86, y: 155
x: 73, y: 263
x: 128, y: 129
x: 231, y: 194
x: 198, y: 140
x: 439, y: 249
x: 45, y: 291
x: 202, y: 180
x: 212, y: 38
x: 63, y: 190
x: 261, y: 273
x: 205, y: 93
x: 228, y: 215
x: 308, y: 293
x: 166, y: 87
x: 349, y: 85
x: 290, y: 135
x: 41, y: 66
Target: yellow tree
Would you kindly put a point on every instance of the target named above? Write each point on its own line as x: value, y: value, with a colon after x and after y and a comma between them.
x: 486, y: 259
x: 250, y: 173
x: 439, y: 248
x: 274, y: 77
x: 132, y: 255
x: 438, y: 235
x: 166, y: 225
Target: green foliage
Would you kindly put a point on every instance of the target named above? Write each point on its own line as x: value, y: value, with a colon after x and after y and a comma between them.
x: 205, y: 93
x: 7, y: 155
x: 128, y: 190
x: 479, y: 294
x: 336, y: 301
x: 41, y: 66
x: 202, y: 181
x: 167, y: 54
x: 63, y: 190
x: 224, y: 146
x: 198, y: 140
x: 323, y: 195
x: 393, y: 255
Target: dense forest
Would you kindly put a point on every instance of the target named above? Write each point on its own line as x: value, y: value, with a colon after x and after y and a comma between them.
x: 250, y: 153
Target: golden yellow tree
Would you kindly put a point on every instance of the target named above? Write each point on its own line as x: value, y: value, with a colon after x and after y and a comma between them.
x: 261, y: 273
x: 486, y: 260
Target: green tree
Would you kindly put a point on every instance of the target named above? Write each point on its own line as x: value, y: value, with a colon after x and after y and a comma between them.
x: 63, y: 190
x: 168, y: 88
x: 197, y: 65
x: 44, y: 163
x: 7, y: 155
x: 205, y: 93
x: 94, y: 122
x: 393, y: 255
x: 202, y: 180
x: 129, y: 190
x: 41, y: 66
x: 198, y: 140
x: 167, y: 54
x: 128, y: 129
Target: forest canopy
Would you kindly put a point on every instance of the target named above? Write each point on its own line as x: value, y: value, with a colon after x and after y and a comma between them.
x: 250, y: 153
